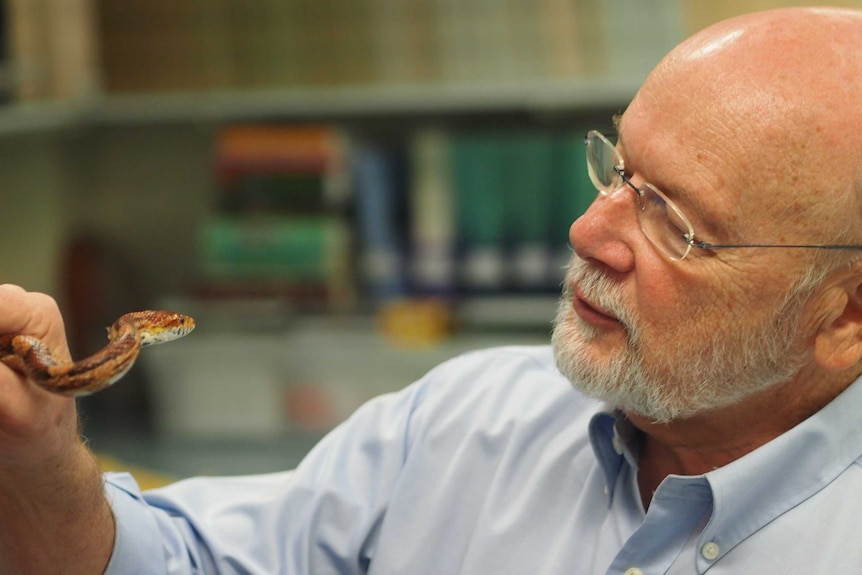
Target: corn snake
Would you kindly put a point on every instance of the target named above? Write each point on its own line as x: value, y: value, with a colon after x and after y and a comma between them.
x: 30, y: 357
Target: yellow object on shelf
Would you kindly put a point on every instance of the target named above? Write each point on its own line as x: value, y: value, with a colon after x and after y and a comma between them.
x: 412, y: 323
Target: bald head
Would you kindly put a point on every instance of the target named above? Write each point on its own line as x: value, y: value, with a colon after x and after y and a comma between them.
x: 773, y: 103
x: 806, y: 58
x: 799, y: 40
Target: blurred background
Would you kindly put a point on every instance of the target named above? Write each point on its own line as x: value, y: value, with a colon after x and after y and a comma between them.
x: 342, y: 192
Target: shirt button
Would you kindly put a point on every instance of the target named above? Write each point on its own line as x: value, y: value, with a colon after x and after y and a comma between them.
x: 634, y: 571
x: 710, y: 550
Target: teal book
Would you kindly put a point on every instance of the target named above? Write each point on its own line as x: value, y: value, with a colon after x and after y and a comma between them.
x: 262, y: 249
x: 527, y: 194
x: 480, y: 211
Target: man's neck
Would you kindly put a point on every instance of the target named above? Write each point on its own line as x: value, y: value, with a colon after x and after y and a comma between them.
x: 707, y: 441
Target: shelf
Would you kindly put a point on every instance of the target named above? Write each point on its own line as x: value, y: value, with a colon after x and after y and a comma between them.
x: 41, y: 117
x: 540, y: 97
x: 526, y: 312
x: 339, y: 102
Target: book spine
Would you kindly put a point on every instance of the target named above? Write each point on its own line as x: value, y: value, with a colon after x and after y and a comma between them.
x: 480, y: 212
x: 29, y: 49
x: 380, y: 195
x: 431, y: 206
x: 528, y: 194
x: 72, y: 49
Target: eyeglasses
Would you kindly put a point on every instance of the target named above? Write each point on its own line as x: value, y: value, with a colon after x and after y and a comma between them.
x: 661, y: 221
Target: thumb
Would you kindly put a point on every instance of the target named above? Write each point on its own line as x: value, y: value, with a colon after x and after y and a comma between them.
x: 33, y: 313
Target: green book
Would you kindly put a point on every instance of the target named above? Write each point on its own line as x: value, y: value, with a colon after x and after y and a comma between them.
x: 528, y: 170
x: 308, y: 249
x: 480, y: 211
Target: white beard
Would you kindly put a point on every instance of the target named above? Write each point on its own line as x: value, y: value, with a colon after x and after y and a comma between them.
x: 678, y: 376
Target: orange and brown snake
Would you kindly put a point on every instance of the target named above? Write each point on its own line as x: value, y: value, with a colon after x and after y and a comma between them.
x: 30, y: 357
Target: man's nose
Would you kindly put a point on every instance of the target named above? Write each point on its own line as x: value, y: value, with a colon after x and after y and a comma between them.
x: 608, y: 230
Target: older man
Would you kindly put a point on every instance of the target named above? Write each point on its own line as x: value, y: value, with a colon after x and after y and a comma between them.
x: 712, y: 314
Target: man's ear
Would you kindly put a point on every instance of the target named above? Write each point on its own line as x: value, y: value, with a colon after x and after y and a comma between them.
x: 838, y: 343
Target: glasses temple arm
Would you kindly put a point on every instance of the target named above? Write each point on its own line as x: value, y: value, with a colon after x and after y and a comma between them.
x: 708, y: 246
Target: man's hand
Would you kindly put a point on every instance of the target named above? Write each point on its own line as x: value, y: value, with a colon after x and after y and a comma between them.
x: 54, y: 517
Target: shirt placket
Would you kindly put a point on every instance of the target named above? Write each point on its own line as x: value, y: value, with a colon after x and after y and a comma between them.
x: 680, y: 506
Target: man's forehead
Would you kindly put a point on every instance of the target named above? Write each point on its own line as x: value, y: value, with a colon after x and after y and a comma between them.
x: 740, y: 188
x: 700, y: 192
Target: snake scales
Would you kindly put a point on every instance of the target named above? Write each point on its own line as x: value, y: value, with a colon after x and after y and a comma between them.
x: 30, y: 357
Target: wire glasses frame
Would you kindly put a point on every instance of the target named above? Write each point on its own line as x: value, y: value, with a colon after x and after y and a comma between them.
x: 661, y: 221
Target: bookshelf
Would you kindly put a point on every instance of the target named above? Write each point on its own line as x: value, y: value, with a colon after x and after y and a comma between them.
x: 100, y: 87
x: 230, y: 60
x: 111, y: 111
x: 105, y: 85
x: 93, y: 63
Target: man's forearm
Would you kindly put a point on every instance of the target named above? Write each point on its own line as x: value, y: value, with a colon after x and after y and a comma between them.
x: 54, y: 517
x: 58, y: 521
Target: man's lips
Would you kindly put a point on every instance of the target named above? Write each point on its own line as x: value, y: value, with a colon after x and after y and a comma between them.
x: 591, y: 314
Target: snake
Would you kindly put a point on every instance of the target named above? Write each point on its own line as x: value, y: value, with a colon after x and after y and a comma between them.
x: 30, y: 357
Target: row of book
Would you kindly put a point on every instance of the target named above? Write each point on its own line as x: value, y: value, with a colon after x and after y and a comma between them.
x: 153, y: 45
x: 469, y: 213
x: 301, y: 212
x: 80, y: 48
x: 157, y: 45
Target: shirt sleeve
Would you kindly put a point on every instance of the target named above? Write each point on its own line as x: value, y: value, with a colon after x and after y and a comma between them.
x: 322, y: 517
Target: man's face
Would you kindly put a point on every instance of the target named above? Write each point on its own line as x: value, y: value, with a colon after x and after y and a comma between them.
x: 669, y: 339
x: 661, y: 372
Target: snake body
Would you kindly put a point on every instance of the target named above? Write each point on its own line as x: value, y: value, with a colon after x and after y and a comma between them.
x: 30, y: 357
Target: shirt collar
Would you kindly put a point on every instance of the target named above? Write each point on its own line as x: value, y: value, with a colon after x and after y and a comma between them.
x: 755, y: 489
x: 615, y: 441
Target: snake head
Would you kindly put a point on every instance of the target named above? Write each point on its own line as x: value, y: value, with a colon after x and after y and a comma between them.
x: 162, y: 326
x: 151, y: 327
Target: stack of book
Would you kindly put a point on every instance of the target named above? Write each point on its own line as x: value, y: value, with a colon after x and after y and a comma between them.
x: 279, y: 227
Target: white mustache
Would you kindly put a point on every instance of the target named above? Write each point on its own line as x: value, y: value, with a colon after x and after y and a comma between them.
x: 599, y: 290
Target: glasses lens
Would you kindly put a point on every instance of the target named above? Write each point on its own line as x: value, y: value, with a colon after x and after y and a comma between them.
x: 663, y: 224
x: 602, y: 158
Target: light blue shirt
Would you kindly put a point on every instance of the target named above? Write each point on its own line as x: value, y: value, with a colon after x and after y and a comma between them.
x: 493, y: 464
